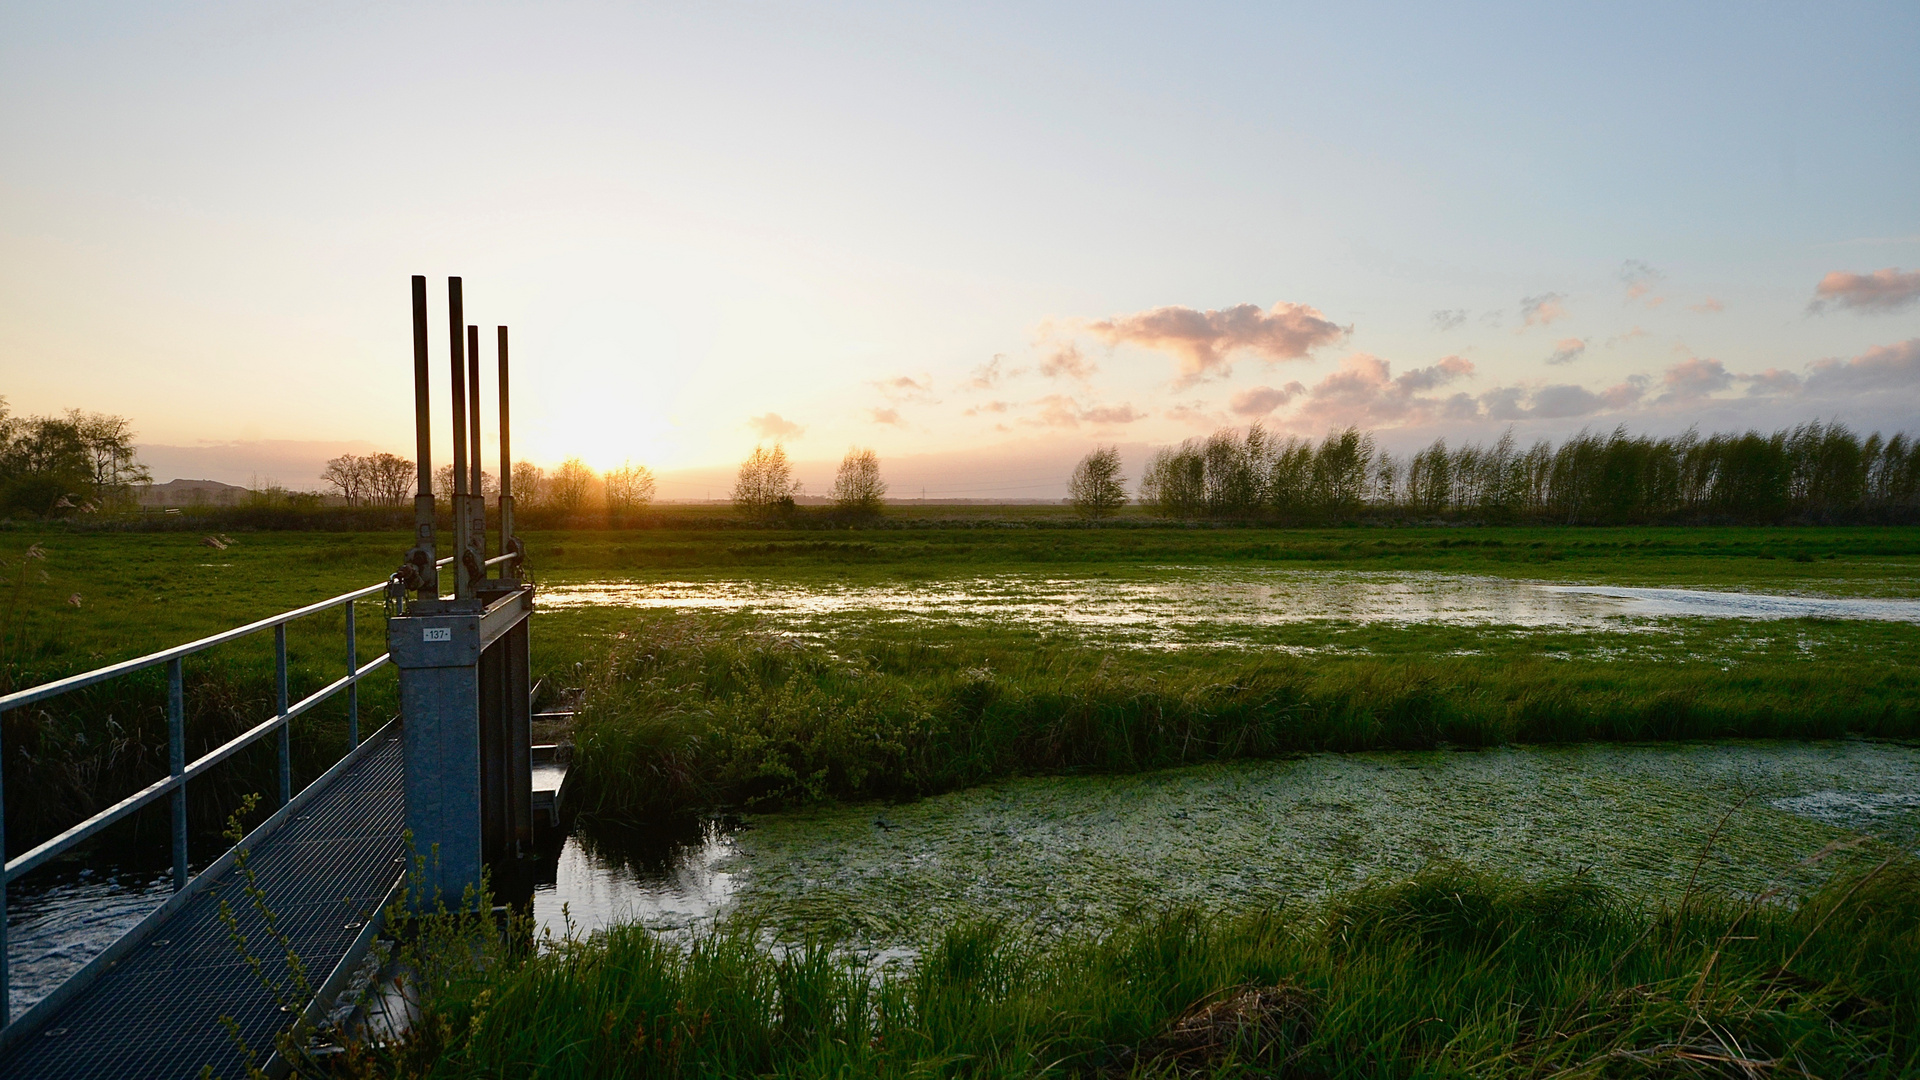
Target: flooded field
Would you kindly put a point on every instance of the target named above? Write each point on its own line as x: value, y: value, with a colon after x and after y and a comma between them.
x: 1178, y: 604
x: 1062, y: 852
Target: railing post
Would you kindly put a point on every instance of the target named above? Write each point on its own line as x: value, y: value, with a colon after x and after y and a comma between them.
x: 353, y: 688
x: 280, y: 679
x: 177, y: 765
x: 6, y: 1012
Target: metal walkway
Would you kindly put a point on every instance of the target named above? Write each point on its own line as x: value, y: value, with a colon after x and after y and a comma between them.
x: 326, y: 869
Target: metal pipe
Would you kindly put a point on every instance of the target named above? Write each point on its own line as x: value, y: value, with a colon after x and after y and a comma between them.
x: 280, y: 680
x: 506, y: 454
x: 426, y: 576
x: 456, y: 322
x: 177, y: 767
x: 6, y: 1009
x: 476, y: 491
x: 353, y: 688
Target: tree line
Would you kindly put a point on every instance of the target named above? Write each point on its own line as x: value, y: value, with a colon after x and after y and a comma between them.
x: 574, y: 487
x: 1813, y: 472
x: 77, y: 462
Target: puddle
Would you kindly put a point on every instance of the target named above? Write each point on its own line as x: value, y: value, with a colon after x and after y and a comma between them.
x: 1059, y: 853
x: 1177, y: 599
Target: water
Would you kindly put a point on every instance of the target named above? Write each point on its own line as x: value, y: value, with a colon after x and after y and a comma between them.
x: 1179, y: 601
x: 57, y: 920
x: 1065, y: 852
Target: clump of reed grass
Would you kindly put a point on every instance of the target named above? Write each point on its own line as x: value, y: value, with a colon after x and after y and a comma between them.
x: 1452, y: 972
x: 690, y: 712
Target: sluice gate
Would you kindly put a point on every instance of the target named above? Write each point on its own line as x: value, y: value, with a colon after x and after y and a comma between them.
x: 179, y: 992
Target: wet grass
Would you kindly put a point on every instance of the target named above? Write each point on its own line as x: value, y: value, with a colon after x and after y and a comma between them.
x: 1450, y: 973
x: 697, y: 712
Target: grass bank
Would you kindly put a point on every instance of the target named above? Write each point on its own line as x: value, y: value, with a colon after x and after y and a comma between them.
x: 699, y: 712
x: 1450, y: 973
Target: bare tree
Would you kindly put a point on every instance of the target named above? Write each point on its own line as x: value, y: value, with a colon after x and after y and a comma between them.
x: 443, y: 483
x: 1097, y: 488
x: 629, y: 487
x: 766, y: 481
x: 570, y: 485
x: 529, y: 484
x: 348, y: 474
x: 857, y: 487
x: 389, y: 479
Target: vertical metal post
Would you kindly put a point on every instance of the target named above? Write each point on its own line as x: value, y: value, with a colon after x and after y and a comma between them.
x: 177, y: 766
x: 476, y: 491
x: 506, y: 464
x: 353, y: 688
x: 6, y: 1009
x: 422, y: 556
x: 456, y: 322
x: 280, y: 681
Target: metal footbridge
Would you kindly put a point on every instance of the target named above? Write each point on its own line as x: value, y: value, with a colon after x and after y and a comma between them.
x: 205, y: 979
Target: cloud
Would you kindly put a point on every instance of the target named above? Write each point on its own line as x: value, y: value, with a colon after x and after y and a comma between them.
x: 988, y: 375
x: 1639, y: 278
x: 886, y: 416
x: 1709, y: 306
x: 1771, y: 383
x: 1202, y: 340
x: 1365, y: 391
x: 1567, y: 350
x: 1112, y: 414
x: 1067, y: 360
x: 989, y: 407
x: 1561, y: 401
x: 1882, y: 370
x: 774, y: 426
x: 905, y: 388
x: 1196, y: 414
x: 1541, y: 310
x: 1062, y: 411
x: 1695, y: 377
x: 1631, y: 335
x: 1262, y: 400
x: 1449, y: 319
x: 1881, y: 292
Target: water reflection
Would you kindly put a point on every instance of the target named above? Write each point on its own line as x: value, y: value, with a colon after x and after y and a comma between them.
x: 1184, y: 598
x: 666, y: 877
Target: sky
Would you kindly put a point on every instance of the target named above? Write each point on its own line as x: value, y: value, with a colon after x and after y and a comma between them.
x: 978, y: 238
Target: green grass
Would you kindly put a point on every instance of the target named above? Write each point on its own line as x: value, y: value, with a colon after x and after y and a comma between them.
x: 882, y: 712
x: 697, y: 712
x: 1451, y: 973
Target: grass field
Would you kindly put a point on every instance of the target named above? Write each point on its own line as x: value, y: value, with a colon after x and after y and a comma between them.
x: 856, y: 708
x: 1454, y: 972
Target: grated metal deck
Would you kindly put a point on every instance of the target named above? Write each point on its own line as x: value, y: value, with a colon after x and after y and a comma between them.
x: 157, y: 1012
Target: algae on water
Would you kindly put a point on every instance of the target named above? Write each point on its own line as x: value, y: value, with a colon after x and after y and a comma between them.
x: 1087, y: 851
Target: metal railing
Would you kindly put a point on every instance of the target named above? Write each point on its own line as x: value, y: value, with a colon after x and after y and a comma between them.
x: 180, y: 770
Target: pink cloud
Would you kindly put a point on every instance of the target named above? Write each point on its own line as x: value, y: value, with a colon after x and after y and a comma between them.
x: 1709, y: 306
x: 1695, y: 377
x: 1882, y: 370
x: 1567, y: 350
x: 989, y: 407
x: 774, y: 426
x: 1881, y: 292
x: 1541, y: 310
x: 1067, y: 361
x: 989, y: 374
x: 886, y: 416
x: 1262, y: 400
x: 1639, y: 278
x: 1202, y: 340
x: 1365, y: 391
x: 1771, y: 382
x: 905, y: 388
x: 1062, y: 411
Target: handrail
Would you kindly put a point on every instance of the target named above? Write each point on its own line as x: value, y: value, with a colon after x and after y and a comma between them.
x: 180, y: 770
x: 44, y: 691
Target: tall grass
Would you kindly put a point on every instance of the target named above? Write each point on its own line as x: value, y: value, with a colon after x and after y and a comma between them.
x: 689, y: 712
x: 1450, y: 973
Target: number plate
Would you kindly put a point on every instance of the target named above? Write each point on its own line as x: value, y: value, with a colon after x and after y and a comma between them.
x: 436, y: 633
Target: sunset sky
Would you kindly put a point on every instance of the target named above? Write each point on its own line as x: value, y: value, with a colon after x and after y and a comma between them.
x: 979, y: 238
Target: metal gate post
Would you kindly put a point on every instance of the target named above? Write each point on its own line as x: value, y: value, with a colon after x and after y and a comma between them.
x: 438, y: 655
